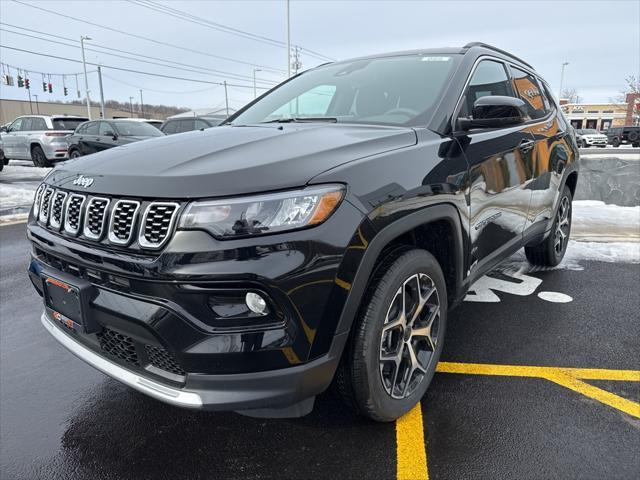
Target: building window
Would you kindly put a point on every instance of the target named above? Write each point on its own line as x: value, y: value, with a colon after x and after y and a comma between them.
x: 607, y: 111
x: 592, y: 111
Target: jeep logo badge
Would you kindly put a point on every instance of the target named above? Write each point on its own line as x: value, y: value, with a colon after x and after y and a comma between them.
x: 83, y: 181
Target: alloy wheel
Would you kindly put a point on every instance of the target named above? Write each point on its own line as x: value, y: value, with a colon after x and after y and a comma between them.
x: 563, y: 226
x: 409, y: 336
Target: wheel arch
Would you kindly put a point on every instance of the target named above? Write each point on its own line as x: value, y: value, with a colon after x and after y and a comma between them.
x: 416, y: 230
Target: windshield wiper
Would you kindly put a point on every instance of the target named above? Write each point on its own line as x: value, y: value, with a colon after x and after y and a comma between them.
x: 303, y: 119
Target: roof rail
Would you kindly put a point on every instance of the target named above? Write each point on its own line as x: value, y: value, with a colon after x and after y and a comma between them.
x: 496, y: 49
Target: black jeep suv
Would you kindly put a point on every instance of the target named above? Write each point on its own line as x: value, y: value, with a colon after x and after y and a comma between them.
x: 321, y: 234
x: 617, y: 136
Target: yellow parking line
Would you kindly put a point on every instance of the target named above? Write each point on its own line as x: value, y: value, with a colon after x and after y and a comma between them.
x: 411, y: 447
x: 567, y: 377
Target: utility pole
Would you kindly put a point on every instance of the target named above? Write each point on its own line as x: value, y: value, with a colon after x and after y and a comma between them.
x: 86, y: 80
x: 226, y: 97
x: 30, y: 104
x: 255, y: 94
x: 141, y: 105
x: 37, y: 104
x: 288, y: 43
x: 101, y: 92
x: 564, y: 64
x: 131, y: 105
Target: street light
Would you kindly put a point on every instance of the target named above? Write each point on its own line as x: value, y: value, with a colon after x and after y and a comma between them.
x: 131, y: 105
x: 562, y: 79
x: 254, y: 81
x: 86, y: 80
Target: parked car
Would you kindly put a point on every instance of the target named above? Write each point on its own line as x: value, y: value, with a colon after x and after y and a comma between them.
x: 151, y: 121
x: 98, y: 135
x: 3, y: 159
x: 40, y: 138
x: 323, y: 233
x: 588, y: 137
x: 624, y: 135
x: 180, y: 125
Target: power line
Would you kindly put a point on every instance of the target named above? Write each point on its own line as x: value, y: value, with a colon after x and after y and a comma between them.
x: 195, y: 69
x: 181, y: 14
x: 129, y: 69
x: 140, y: 37
x: 209, y: 89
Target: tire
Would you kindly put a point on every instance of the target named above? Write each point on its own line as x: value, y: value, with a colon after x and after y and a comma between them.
x: 372, y: 386
x: 74, y: 153
x: 38, y: 157
x: 635, y: 145
x: 615, y: 142
x: 550, y: 252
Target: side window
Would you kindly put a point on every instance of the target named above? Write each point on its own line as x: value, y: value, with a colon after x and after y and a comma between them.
x: 39, y: 124
x: 170, y: 127
x: 17, y: 125
x: 92, y: 128
x: 81, y: 129
x: 489, y: 78
x: 201, y: 124
x: 185, y: 125
x: 529, y: 90
x: 105, y: 128
x: 26, y: 124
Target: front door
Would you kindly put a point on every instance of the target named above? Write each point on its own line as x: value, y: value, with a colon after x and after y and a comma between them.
x: 498, y: 159
x: 10, y: 138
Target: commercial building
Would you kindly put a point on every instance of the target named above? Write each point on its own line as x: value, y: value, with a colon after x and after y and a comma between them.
x: 602, y: 116
x: 10, y: 109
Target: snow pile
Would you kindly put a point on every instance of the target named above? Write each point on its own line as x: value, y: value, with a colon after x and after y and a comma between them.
x: 594, y: 220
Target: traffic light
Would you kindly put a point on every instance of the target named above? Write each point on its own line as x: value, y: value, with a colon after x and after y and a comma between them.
x: 50, y: 88
x: 20, y: 81
x: 44, y: 87
x: 27, y: 83
x: 65, y: 91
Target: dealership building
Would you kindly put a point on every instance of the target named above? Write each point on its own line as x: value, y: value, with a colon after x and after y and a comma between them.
x: 602, y: 116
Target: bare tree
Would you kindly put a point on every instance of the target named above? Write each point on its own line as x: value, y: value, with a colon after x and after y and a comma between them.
x: 632, y: 85
x: 571, y: 95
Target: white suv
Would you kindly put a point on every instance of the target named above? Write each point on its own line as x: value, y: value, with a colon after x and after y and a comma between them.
x: 40, y: 138
x: 588, y: 137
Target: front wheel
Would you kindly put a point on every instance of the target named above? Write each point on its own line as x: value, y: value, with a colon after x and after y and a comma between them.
x: 397, y: 338
x: 74, y: 154
x: 38, y: 157
x: 615, y: 142
x: 551, y: 251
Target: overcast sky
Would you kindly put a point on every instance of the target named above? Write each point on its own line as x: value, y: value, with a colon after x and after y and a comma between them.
x: 599, y: 39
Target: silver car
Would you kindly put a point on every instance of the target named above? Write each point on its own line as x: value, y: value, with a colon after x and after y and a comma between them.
x: 40, y: 138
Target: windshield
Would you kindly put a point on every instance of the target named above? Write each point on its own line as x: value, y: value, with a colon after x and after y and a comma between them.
x: 67, y: 123
x: 400, y: 90
x: 137, y: 129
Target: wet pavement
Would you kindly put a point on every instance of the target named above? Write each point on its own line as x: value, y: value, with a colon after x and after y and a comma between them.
x: 60, y: 419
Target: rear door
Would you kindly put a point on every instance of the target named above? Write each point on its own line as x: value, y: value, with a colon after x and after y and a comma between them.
x: 87, y: 140
x: 498, y: 159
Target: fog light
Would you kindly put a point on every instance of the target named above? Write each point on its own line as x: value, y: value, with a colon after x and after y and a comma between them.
x: 256, y: 303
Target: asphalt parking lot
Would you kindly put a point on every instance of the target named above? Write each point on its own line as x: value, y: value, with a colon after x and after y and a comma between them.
x: 528, y: 388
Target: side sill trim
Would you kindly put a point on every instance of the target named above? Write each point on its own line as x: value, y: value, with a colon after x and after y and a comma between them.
x: 173, y: 396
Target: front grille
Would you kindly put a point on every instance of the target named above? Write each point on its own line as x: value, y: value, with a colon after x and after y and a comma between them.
x: 157, y: 223
x: 118, y: 345
x: 94, y: 217
x: 101, y: 219
x: 73, y: 214
x: 122, y: 222
x: 57, y: 209
x: 160, y: 358
x: 45, y: 205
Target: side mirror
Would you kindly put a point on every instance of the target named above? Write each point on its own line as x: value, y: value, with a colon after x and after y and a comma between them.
x: 3, y: 129
x: 111, y: 134
x: 495, y: 111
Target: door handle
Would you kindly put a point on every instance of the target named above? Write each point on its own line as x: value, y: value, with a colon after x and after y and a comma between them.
x: 526, y: 145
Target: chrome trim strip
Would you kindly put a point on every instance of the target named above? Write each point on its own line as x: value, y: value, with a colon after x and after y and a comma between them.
x: 37, y: 199
x: 85, y: 231
x: 173, y: 396
x: 66, y: 227
x: 52, y: 221
x: 112, y: 237
x: 143, y: 241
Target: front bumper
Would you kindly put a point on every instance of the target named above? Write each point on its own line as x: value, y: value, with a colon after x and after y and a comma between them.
x: 601, y: 142
x: 276, y: 389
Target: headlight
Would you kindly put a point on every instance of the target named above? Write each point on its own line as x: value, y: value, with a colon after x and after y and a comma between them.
x: 260, y: 214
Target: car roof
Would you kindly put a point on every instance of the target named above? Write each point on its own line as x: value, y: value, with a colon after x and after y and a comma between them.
x: 475, y: 47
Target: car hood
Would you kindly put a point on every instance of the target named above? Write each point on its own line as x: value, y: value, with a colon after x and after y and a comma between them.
x: 598, y: 136
x: 228, y: 160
